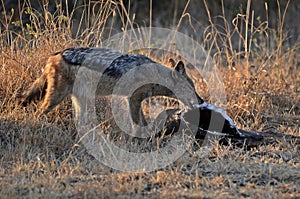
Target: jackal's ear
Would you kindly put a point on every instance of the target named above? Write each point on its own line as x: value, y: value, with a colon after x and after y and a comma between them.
x: 171, y: 63
x: 180, y: 67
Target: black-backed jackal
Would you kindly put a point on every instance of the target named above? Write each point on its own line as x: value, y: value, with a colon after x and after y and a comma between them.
x: 58, y: 77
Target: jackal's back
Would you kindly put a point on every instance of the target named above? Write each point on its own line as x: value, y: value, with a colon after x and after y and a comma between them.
x: 97, y: 59
x: 110, y: 63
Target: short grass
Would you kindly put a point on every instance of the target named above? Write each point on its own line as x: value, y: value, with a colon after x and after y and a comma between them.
x: 42, y: 157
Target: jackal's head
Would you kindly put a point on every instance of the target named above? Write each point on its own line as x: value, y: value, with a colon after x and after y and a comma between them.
x: 180, y: 68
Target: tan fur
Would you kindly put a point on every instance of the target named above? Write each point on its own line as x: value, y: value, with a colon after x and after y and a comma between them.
x: 171, y: 63
x: 59, y: 78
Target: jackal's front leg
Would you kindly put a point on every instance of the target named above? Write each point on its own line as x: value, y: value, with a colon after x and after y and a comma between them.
x: 145, y: 91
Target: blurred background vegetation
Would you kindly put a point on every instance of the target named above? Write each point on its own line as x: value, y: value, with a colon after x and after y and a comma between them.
x: 188, y: 16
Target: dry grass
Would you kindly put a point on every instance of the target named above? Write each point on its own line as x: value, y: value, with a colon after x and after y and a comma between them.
x: 41, y: 157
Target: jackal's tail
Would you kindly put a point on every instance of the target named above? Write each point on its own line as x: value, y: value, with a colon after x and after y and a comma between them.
x: 35, y: 92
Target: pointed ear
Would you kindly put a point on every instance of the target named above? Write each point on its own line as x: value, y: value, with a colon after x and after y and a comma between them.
x: 180, y: 67
x: 171, y: 63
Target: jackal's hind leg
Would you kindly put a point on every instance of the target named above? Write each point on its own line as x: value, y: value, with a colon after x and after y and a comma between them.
x: 57, y: 89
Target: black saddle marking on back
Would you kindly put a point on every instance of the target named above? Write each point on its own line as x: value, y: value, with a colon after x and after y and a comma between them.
x: 124, y: 63
x: 75, y: 56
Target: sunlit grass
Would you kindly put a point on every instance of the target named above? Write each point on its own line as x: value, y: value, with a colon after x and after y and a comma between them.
x: 43, y: 157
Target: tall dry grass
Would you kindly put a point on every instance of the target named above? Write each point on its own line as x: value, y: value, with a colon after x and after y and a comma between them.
x: 43, y: 157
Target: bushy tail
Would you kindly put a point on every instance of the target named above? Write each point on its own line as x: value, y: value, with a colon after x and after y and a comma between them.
x: 35, y: 92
